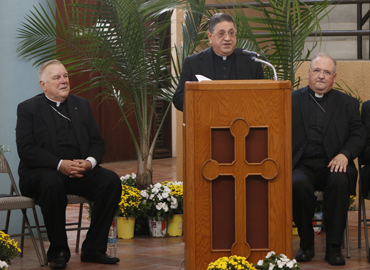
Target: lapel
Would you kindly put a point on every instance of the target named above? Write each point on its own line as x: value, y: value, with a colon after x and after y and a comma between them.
x: 330, y: 108
x: 75, y: 118
x: 206, y: 64
x: 303, y: 100
x: 48, y: 120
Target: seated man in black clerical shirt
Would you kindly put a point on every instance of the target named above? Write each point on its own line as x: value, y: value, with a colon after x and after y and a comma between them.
x: 219, y: 62
x: 327, y: 135
x: 60, y: 148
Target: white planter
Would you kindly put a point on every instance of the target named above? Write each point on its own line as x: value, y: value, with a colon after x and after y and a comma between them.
x: 157, y: 228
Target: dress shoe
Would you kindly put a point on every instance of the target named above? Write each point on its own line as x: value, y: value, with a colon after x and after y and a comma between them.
x: 334, y: 255
x: 59, y: 262
x: 305, y: 255
x: 97, y: 257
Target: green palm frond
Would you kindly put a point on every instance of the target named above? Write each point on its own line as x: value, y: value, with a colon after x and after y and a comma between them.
x: 280, y: 33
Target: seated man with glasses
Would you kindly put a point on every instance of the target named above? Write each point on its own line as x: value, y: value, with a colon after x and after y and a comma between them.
x: 327, y: 135
x: 220, y: 62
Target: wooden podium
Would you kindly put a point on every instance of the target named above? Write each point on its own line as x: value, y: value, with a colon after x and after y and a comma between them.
x: 237, y: 170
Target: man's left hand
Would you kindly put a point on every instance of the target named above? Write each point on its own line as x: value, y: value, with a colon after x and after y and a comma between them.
x: 338, y: 163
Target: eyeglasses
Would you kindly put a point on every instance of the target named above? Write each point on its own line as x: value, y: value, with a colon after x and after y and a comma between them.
x: 222, y: 34
x: 318, y: 71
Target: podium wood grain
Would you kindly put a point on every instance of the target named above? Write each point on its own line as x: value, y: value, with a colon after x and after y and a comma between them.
x: 237, y: 170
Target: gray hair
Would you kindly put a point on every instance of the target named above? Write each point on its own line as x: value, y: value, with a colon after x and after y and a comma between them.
x: 327, y: 56
x: 219, y: 17
x: 46, y: 64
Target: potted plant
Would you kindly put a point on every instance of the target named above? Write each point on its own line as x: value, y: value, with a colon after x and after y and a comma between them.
x: 231, y: 263
x: 175, y: 218
x: 128, y: 210
x: 8, y: 248
x: 156, y: 204
x: 275, y: 262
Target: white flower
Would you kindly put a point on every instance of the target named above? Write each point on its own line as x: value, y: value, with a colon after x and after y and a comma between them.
x: 127, y: 176
x: 270, y: 254
x: 294, y: 261
x: 165, y: 207
x: 280, y: 263
x: 158, y: 185
x: 155, y: 190
x: 290, y: 264
x: 260, y: 263
x: 166, y: 189
x: 144, y: 193
x: 151, y: 196
x: 283, y: 256
x: 159, y: 197
x: 165, y: 195
x: 133, y: 176
x: 3, y: 264
x: 174, y: 203
x: 159, y: 206
x: 271, y: 266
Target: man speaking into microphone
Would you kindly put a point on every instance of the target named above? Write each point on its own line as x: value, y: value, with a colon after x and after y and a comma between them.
x: 222, y: 61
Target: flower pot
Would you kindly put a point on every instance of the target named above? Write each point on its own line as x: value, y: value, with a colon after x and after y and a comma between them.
x: 157, y: 228
x: 175, y: 225
x: 125, y: 227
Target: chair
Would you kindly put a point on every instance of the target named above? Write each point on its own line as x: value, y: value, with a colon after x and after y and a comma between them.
x: 362, y: 209
x: 14, y: 201
x: 74, y: 199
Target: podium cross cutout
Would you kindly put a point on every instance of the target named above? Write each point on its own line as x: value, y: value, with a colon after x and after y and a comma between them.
x: 240, y: 169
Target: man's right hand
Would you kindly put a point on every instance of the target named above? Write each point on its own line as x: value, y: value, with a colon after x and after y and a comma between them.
x: 72, y: 168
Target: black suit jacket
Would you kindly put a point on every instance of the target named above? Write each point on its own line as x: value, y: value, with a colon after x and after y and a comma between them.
x: 36, y: 133
x: 343, y: 129
x: 202, y: 64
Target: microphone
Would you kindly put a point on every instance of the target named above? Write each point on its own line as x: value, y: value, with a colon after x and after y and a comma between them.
x: 255, y: 56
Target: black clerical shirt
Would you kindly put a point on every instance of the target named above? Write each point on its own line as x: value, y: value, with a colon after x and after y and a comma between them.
x: 224, y: 69
x: 317, y: 113
x: 67, y: 146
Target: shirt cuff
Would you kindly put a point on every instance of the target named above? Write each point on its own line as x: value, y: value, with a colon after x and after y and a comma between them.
x: 93, y: 162
x: 60, y: 162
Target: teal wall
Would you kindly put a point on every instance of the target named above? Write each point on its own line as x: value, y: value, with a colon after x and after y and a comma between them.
x: 18, y: 82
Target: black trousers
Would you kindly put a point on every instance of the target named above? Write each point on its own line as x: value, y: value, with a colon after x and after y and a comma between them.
x: 50, y: 187
x: 311, y: 175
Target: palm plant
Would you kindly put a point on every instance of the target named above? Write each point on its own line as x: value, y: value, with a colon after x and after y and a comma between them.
x: 121, y: 44
x: 284, y: 27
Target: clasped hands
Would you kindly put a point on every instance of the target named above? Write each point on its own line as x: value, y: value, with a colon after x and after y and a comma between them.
x: 338, y: 163
x: 75, y: 168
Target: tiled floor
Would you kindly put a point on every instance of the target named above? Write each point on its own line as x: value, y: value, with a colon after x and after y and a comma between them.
x: 145, y: 253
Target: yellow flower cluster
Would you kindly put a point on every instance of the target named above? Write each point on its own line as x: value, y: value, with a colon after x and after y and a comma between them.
x: 176, y: 188
x: 231, y: 263
x: 8, y: 248
x: 130, y: 202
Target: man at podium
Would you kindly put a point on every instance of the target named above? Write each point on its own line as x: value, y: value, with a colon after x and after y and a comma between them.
x: 327, y: 135
x: 219, y: 62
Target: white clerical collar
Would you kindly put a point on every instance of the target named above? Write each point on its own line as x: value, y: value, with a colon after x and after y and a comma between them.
x: 319, y: 95
x: 223, y: 57
x: 57, y: 102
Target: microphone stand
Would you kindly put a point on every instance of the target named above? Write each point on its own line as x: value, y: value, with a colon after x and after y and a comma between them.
x: 266, y: 63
